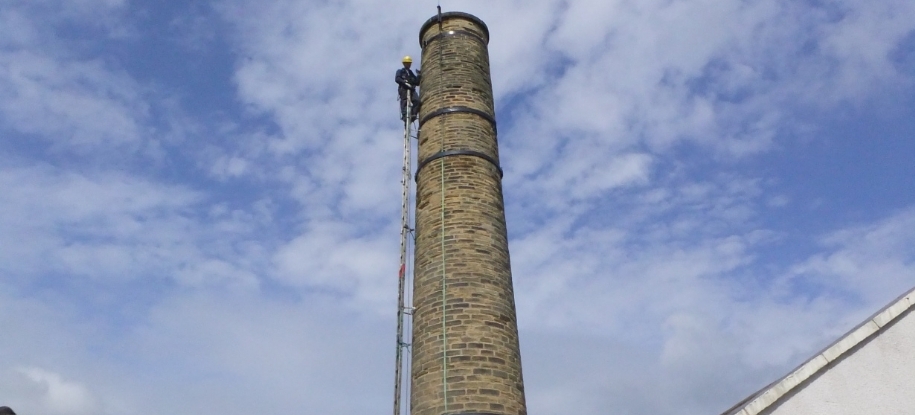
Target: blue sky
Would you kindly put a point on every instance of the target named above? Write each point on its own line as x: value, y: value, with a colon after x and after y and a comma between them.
x: 199, y: 204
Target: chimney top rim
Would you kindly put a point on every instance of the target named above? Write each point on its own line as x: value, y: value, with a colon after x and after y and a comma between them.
x: 450, y: 15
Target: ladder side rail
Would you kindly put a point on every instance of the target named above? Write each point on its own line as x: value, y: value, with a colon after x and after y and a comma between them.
x: 404, y: 235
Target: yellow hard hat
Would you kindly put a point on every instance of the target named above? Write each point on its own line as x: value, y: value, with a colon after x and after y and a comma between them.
x: 407, y: 59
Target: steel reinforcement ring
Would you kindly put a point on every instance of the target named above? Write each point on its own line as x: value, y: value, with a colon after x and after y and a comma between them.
x: 449, y: 153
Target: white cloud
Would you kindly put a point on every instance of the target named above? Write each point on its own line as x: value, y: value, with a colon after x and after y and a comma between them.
x: 726, y: 76
x: 56, y: 92
x: 362, y: 269
x: 76, y: 104
x: 61, y: 396
x: 680, y: 279
x: 853, y: 256
x: 116, y: 228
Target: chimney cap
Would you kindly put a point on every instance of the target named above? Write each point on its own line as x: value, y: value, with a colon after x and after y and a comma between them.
x: 448, y: 15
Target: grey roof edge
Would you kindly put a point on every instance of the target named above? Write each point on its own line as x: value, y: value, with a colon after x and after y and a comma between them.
x: 773, y: 392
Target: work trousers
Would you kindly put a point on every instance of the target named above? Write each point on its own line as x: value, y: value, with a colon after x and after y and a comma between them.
x: 402, y: 92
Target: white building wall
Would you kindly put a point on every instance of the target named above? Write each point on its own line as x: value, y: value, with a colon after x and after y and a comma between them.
x: 878, y: 378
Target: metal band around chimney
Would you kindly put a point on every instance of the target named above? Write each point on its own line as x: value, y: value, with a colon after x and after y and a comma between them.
x: 453, y: 110
x: 449, y: 153
x: 451, y: 33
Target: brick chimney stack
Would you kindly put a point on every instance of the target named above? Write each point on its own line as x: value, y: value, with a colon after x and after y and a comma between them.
x: 466, y: 357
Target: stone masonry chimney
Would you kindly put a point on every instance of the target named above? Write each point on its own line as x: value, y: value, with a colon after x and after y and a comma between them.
x: 466, y: 358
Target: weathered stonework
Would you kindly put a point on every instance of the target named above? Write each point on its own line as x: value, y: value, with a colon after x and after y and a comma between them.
x: 481, y: 371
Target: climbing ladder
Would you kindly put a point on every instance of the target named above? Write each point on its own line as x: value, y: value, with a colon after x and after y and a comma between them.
x: 404, y: 308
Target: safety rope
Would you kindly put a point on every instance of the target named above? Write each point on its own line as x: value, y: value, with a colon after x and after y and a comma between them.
x: 441, y: 79
x: 408, y: 284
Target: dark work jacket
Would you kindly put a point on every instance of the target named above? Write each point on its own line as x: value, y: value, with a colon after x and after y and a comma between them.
x: 404, y: 76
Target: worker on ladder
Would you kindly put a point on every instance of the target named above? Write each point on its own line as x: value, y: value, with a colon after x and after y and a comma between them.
x: 407, y: 82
